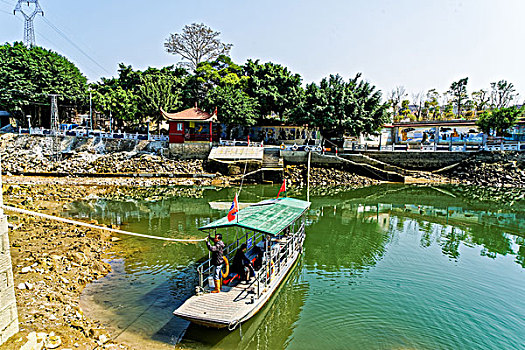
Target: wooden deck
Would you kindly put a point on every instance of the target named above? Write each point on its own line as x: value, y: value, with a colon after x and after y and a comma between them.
x: 233, y: 305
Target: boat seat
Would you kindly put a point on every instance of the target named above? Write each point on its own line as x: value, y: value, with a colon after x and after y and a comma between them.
x: 232, y: 276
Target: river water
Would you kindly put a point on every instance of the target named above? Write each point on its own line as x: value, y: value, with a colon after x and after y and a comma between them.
x: 384, y: 267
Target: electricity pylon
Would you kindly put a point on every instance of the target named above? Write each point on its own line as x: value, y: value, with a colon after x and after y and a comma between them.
x: 29, y: 27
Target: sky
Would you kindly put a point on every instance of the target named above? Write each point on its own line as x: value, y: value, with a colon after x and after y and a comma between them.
x: 418, y: 44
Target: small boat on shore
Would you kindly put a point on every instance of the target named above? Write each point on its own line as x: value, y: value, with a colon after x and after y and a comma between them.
x: 274, y: 233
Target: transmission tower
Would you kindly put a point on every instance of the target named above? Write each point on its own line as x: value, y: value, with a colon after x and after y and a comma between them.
x: 29, y: 28
x: 54, y: 128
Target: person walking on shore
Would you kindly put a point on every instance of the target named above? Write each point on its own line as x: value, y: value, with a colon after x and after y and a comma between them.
x: 217, y: 259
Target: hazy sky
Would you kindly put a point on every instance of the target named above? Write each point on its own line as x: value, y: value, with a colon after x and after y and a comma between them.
x: 420, y: 44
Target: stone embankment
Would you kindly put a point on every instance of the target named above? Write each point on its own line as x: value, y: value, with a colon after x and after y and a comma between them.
x: 497, y: 169
x: 24, y: 154
x: 297, y: 175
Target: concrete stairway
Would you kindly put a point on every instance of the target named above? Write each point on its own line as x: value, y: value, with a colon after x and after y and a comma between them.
x: 272, y: 159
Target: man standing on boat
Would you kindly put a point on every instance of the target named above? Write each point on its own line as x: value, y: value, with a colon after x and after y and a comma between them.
x: 217, y: 259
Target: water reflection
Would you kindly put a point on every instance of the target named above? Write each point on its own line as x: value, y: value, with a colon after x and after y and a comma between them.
x: 349, y: 235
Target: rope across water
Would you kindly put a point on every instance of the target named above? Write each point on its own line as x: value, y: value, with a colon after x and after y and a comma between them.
x: 80, y: 223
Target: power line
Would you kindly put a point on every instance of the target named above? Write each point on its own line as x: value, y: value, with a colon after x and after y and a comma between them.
x: 63, y: 35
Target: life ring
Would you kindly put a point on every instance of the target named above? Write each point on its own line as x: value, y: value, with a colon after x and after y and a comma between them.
x: 227, y: 265
x: 283, y: 146
x: 307, y: 148
x: 268, y: 273
x: 294, y: 147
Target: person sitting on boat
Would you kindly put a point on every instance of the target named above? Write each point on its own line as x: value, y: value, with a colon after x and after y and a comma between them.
x: 242, y: 265
x: 260, y: 249
x: 217, y: 259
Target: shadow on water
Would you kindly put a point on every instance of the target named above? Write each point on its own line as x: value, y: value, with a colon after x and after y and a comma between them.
x: 350, y: 232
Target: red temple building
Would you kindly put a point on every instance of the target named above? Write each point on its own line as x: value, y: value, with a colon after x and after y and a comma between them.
x: 191, y: 125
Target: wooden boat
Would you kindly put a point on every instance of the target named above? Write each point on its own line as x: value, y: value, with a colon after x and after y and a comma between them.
x: 274, y: 232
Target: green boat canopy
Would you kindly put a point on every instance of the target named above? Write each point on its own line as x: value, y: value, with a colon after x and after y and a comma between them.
x: 271, y: 216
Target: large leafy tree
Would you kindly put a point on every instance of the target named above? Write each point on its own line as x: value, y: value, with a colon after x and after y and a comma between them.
x: 197, y: 43
x: 499, y: 120
x: 29, y: 74
x: 234, y: 107
x: 208, y: 75
x: 276, y: 89
x: 339, y: 107
x: 114, y: 100
x: 137, y: 96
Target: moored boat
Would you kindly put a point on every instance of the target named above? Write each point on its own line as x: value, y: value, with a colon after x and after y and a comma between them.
x: 274, y: 233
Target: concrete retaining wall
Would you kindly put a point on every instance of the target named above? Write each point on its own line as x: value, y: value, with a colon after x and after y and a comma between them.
x: 419, y: 160
x: 8, y: 311
x: 189, y: 150
x: 331, y: 161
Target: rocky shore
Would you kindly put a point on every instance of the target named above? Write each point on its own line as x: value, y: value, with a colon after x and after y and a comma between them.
x: 297, y: 176
x: 498, y: 169
x: 52, y: 262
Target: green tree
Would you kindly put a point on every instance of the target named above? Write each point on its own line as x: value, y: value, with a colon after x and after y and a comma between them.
x: 499, y: 120
x: 458, y: 90
x: 276, y: 89
x: 29, y: 74
x: 123, y: 104
x: 158, y: 91
x: 234, y: 107
x: 208, y: 75
x: 434, y: 108
x: 336, y: 107
x: 405, y: 110
x: 481, y: 100
x: 136, y: 96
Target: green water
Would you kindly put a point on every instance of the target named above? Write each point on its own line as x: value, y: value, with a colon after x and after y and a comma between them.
x: 385, y: 267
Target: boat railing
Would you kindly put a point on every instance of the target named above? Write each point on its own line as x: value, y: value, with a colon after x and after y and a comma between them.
x: 275, y: 260
x: 204, y: 270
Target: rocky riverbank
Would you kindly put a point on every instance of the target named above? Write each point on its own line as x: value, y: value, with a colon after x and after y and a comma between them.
x: 498, y: 169
x: 52, y: 262
x: 297, y: 176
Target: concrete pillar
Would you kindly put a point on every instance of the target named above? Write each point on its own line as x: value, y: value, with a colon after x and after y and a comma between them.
x: 8, y: 311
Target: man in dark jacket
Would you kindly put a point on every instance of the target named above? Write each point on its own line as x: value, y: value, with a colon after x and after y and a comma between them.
x: 241, y: 264
x: 217, y: 259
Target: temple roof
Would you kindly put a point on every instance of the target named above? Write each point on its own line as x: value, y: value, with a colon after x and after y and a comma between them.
x: 190, y: 114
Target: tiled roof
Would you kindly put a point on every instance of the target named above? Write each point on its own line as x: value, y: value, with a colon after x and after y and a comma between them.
x: 190, y: 114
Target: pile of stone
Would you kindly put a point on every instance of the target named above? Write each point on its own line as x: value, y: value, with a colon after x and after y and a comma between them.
x: 153, y: 194
x: 297, y: 175
x: 491, y: 169
x: 85, y: 163
x: 51, y: 264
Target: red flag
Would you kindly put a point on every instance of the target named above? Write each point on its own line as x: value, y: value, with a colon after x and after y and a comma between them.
x: 233, y: 210
x: 283, y: 188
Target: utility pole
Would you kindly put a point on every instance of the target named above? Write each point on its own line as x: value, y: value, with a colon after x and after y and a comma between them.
x: 90, y: 111
x: 29, y: 28
x: 55, y: 130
